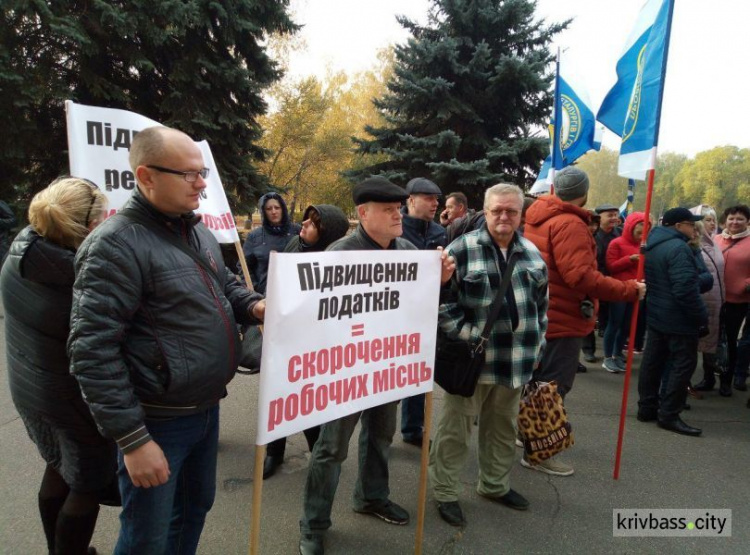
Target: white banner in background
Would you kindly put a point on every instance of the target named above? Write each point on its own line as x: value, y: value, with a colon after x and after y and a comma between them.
x: 345, y: 331
x: 99, y: 144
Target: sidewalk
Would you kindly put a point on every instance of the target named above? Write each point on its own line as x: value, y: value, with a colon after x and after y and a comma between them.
x: 567, y: 515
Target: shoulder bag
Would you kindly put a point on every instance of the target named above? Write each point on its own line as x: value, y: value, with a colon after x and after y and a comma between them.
x: 458, y: 363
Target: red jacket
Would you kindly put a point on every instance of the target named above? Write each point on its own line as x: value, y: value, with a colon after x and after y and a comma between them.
x: 560, y: 232
x: 620, y: 250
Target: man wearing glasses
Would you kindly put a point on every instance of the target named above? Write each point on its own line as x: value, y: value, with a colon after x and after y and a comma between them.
x: 513, y: 350
x: 154, y: 342
x: 676, y: 315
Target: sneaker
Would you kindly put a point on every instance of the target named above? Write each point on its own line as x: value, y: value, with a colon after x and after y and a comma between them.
x: 388, y: 511
x: 451, y: 512
x: 610, y: 365
x: 550, y: 466
x: 512, y: 499
x: 589, y: 357
x: 311, y: 544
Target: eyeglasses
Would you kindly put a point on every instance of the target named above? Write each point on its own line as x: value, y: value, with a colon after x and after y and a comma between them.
x: 496, y: 213
x: 190, y: 177
x: 93, y: 200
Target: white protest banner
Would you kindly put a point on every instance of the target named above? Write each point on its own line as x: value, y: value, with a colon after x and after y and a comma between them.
x: 345, y: 331
x: 98, y: 145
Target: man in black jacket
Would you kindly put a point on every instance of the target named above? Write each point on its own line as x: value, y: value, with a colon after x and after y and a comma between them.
x: 418, y: 223
x: 380, y: 227
x: 676, y: 314
x: 421, y: 231
x: 154, y: 342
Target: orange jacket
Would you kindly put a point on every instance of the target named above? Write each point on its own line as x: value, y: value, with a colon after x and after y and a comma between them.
x: 560, y: 232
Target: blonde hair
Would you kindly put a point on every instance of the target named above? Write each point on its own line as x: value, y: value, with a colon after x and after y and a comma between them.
x: 503, y: 189
x: 700, y: 229
x: 63, y: 211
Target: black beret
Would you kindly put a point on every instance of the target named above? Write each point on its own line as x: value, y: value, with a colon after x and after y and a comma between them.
x: 421, y: 185
x: 378, y: 189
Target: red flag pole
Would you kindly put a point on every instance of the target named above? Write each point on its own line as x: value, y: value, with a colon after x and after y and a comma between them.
x: 634, y: 324
x: 641, y: 261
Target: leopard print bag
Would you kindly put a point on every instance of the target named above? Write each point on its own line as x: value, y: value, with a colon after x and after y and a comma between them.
x: 543, y: 422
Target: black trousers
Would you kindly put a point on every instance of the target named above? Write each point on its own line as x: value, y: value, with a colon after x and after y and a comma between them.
x: 734, y: 315
x: 682, y: 352
x: 560, y: 362
x: 588, y: 344
x: 278, y: 446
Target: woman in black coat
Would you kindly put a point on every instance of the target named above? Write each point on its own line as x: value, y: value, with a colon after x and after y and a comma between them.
x: 37, y: 281
x: 277, y: 230
x: 322, y: 225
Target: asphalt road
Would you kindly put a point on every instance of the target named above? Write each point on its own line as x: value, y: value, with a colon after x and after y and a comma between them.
x: 567, y: 515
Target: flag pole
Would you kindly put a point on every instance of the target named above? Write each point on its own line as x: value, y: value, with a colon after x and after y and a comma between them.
x: 633, y: 326
x: 641, y: 260
x: 556, y: 128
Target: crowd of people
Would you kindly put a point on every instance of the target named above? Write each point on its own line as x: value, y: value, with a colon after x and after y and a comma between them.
x: 123, y: 333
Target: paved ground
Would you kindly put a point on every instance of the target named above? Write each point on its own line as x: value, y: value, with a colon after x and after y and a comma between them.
x: 567, y: 515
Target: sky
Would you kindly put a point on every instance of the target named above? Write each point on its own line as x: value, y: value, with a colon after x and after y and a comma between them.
x: 707, y: 85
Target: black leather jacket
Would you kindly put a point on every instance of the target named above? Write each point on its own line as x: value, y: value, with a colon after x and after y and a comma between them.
x: 152, y: 333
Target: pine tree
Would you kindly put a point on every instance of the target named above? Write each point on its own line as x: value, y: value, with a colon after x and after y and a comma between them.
x: 469, y: 100
x: 197, y: 65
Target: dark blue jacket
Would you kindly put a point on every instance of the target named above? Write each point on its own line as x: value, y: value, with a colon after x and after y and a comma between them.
x: 422, y: 234
x: 672, y: 275
x: 265, y: 239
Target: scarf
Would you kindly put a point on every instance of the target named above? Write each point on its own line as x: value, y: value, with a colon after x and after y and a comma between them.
x: 736, y: 236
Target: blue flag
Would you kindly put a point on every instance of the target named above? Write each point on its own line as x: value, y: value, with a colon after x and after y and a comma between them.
x: 578, y: 133
x: 632, y: 107
x: 627, y: 206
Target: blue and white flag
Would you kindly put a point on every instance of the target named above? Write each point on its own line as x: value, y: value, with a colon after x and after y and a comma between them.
x: 632, y: 107
x: 627, y: 206
x: 579, y: 132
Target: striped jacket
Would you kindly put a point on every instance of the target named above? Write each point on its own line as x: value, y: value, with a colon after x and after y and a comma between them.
x: 511, y: 355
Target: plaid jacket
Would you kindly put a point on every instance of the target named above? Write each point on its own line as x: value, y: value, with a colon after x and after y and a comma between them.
x: 511, y: 355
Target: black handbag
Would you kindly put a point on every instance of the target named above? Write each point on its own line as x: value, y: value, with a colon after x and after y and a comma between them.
x: 458, y: 363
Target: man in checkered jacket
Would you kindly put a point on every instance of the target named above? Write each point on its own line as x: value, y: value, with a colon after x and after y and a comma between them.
x: 513, y: 351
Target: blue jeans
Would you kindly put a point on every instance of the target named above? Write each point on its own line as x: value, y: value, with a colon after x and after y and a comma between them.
x: 412, y: 417
x: 618, y: 328
x: 331, y: 449
x: 169, y: 518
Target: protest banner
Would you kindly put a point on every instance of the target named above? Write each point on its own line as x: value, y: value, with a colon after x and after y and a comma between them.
x: 345, y: 331
x: 98, y: 145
